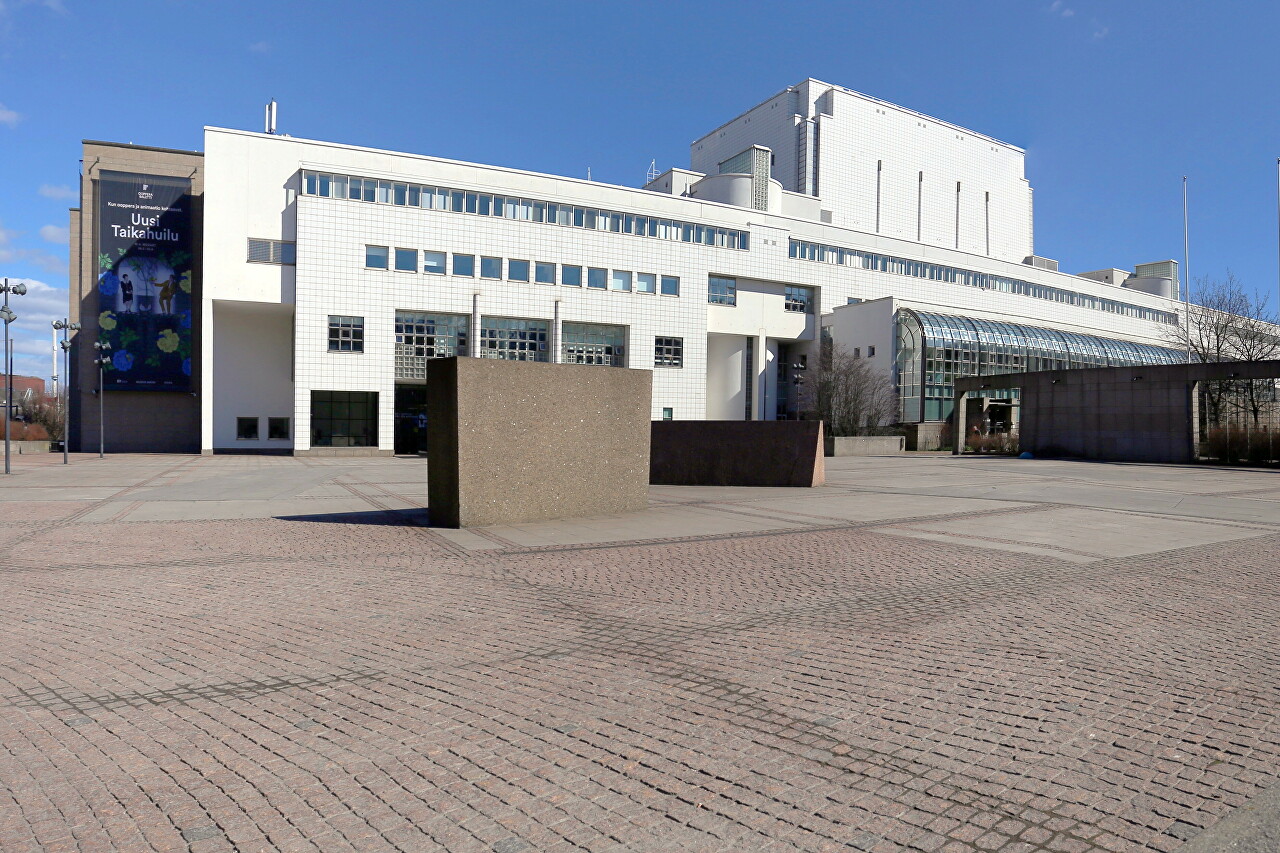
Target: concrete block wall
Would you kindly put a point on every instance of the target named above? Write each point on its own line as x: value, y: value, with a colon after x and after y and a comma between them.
x: 1120, y: 413
x: 514, y: 441
x: 1134, y: 414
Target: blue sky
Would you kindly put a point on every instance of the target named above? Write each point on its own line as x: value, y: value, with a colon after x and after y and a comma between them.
x: 1113, y: 101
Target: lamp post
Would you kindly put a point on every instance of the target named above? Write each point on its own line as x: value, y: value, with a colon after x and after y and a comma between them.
x: 65, y: 326
x: 797, y: 382
x: 102, y: 360
x: 8, y: 316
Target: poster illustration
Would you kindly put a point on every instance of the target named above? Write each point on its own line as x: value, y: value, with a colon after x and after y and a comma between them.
x: 144, y: 281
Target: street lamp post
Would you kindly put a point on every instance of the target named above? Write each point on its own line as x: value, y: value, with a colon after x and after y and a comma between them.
x: 8, y: 316
x: 102, y: 360
x: 66, y: 326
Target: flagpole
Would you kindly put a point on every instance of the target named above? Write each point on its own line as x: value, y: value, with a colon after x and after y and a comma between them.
x: 1186, y: 264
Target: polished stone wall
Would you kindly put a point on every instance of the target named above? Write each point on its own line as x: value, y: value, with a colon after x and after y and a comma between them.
x: 514, y: 441
x: 737, y: 453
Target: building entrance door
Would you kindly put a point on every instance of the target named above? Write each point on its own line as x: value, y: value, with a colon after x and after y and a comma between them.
x: 411, y: 419
x: 1000, y: 416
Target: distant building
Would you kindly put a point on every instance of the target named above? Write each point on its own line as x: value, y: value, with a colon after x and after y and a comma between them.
x: 23, y: 386
x: 291, y: 291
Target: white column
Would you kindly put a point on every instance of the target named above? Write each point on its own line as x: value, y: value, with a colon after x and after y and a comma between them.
x: 760, y: 396
x: 206, y: 322
x: 772, y: 353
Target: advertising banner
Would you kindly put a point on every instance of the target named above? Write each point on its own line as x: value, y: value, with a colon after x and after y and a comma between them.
x: 145, y: 245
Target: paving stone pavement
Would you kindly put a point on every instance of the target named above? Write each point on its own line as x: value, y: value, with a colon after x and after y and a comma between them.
x: 229, y: 653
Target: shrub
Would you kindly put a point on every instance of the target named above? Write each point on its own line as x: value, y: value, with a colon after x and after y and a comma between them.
x: 1232, y: 444
x: 1002, y: 443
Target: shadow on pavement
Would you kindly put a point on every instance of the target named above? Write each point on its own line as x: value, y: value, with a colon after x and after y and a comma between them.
x: 386, y: 517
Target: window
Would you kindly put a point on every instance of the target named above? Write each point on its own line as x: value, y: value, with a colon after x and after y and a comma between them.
x: 871, y: 352
x: 668, y: 352
x: 277, y: 429
x: 968, y: 278
x: 799, y: 299
x: 272, y: 252
x: 518, y: 270
x: 375, y: 257
x: 490, y: 267
x: 421, y: 336
x: 514, y: 339
x: 407, y: 260
x: 526, y: 210
x: 668, y: 413
x: 246, y: 429
x: 593, y: 343
x: 346, y: 334
x: 344, y: 419
x: 570, y: 276
x: 857, y: 352
x: 670, y: 285
x: 597, y: 278
x: 722, y: 291
x: 464, y: 265
x: 646, y: 282
x: 433, y: 262
x: 621, y: 280
x: 544, y: 273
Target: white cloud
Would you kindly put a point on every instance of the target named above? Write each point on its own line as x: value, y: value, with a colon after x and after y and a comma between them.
x: 61, y: 191
x: 260, y: 47
x: 1100, y: 32
x: 42, y: 304
x: 46, y: 261
x: 9, y: 117
x: 39, y: 257
x: 55, y: 234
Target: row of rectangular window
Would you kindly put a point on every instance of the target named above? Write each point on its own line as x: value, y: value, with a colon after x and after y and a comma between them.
x: 806, y: 251
x: 422, y: 336
x: 551, y: 213
x: 540, y: 272
x: 247, y: 429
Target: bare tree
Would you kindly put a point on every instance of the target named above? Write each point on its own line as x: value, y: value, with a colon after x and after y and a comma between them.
x: 1227, y: 323
x: 849, y: 394
x: 46, y: 410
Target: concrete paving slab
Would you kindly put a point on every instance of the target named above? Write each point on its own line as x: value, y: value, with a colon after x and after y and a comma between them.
x: 262, y: 485
x: 30, y: 495
x: 208, y: 509
x: 978, y: 541
x: 1088, y: 532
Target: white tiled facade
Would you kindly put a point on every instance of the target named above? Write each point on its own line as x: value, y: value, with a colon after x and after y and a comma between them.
x: 256, y: 189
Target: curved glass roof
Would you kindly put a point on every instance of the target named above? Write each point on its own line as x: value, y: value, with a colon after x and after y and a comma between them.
x: 1074, y: 347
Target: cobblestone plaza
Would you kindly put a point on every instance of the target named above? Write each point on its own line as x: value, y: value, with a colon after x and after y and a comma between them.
x: 927, y: 654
